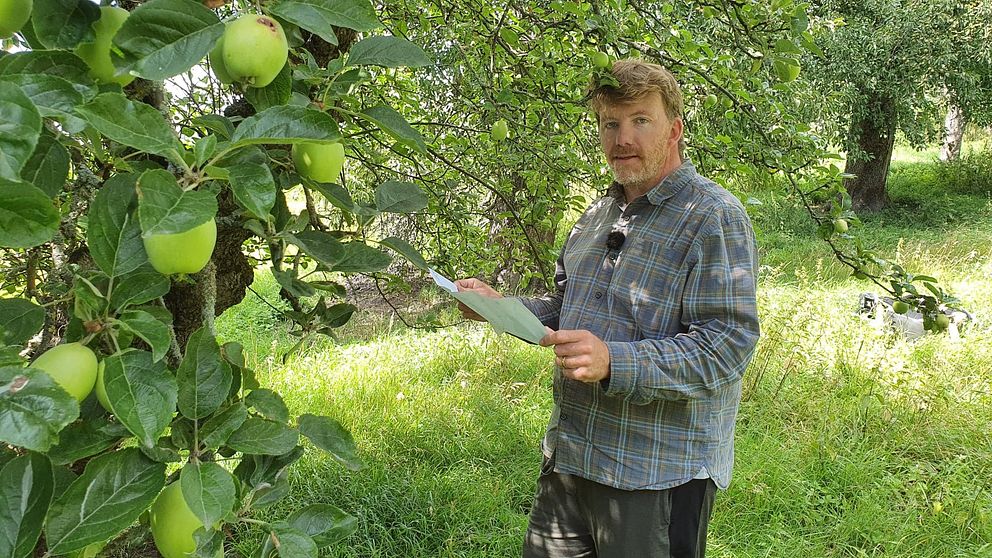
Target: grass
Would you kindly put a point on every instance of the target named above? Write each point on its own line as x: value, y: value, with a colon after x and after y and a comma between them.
x: 851, y: 441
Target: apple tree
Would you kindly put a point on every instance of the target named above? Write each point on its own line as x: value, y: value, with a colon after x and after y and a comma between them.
x: 125, y: 205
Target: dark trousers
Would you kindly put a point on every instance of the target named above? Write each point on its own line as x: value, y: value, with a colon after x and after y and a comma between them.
x: 574, y: 517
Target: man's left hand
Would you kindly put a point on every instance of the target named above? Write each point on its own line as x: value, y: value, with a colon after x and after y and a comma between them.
x: 580, y: 354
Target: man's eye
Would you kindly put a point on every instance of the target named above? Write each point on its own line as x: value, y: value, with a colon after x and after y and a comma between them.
x: 609, y: 125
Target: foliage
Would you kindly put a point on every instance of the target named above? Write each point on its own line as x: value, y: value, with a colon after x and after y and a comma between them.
x: 91, y: 173
x: 99, y: 171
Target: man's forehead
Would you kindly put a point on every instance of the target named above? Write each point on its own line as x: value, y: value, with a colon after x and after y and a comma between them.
x: 648, y: 104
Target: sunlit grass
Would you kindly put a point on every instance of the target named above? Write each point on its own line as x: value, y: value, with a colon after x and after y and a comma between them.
x: 851, y: 440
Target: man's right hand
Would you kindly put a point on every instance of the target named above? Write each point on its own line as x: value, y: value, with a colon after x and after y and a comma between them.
x: 478, y: 287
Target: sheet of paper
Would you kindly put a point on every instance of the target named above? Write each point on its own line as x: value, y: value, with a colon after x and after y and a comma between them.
x: 505, y: 315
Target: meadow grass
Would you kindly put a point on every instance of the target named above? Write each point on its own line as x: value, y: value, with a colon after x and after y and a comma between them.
x: 851, y: 440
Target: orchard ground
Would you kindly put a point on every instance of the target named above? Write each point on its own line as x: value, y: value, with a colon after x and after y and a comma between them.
x: 851, y: 441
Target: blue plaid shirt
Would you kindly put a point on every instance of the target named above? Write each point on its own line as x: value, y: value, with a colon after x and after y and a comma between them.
x: 676, y: 307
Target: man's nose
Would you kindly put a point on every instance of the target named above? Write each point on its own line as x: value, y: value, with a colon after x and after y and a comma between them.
x: 625, y: 134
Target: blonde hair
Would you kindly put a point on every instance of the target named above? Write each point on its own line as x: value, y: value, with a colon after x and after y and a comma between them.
x: 637, y: 80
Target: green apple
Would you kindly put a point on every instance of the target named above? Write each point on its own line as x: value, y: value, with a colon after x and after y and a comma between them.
x: 500, y: 130
x: 600, y: 59
x: 942, y: 321
x: 255, y: 49
x: 101, y: 389
x: 787, y: 69
x: 840, y: 226
x: 216, y: 58
x: 321, y: 162
x: 900, y: 307
x: 185, y: 252
x: 710, y: 101
x: 72, y: 365
x: 173, y: 523
x: 13, y: 15
x: 97, y: 54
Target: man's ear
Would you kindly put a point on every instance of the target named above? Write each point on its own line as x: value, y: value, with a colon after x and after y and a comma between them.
x: 677, y: 129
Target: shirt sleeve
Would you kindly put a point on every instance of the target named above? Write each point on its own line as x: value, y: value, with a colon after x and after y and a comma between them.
x: 720, y: 322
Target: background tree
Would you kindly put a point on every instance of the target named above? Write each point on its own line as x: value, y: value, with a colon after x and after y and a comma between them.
x: 894, y: 67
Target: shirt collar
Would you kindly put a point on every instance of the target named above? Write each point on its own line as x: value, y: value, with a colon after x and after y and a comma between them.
x: 668, y: 187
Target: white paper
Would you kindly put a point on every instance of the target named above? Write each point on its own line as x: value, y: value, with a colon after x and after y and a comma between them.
x: 507, y: 315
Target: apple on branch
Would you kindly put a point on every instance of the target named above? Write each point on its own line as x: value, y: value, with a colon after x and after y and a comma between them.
x: 254, y: 50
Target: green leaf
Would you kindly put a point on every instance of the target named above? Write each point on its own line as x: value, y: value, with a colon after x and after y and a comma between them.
x: 393, y: 123
x: 274, y: 94
x: 165, y: 208
x: 66, y: 23
x: 33, y: 408
x: 48, y: 167
x: 347, y: 257
x: 133, y: 124
x: 27, y: 216
x: 142, y: 393
x: 263, y: 437
x: 53, y: 96
x: 221, y: 125
x: 86, y: 438
x: 26, y: 485
x: 164, y: 38
x: 358, y: 257
x: 220, y: 426
x: 286, y: 124
x: 328, y: 435
x: 267, y: 494
x: 269, y: 404
x: 336, y: 315
x: 209, y: 543
x: 20, y: 126
x: 108, y: 497
x: 251, y: 180
x: 138, y: 287
x: 113, y: 236
x: 292, y: 543
x: 406, y: 250
x: 325, y: 523
x: 399, y: 197
x: 208, y: 490
x: 293, y: 285
x: 20, y: 319
x: 340, y: 197
x: 255, y: 471
x: 156, y: 333
x: 51, y: 63
x: 204, y: 378
x: 390, y: 52
x: 319, y: 16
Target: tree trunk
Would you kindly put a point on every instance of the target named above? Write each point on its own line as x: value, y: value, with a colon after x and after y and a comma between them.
x: 222, y: 284
x: 953, y: 134
x: 874, y: 133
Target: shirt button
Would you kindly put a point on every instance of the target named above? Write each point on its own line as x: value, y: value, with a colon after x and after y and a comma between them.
x: 599, y: 295
x: 563, y: 418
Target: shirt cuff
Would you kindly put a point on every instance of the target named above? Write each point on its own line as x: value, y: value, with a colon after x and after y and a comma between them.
x: 623, y: 370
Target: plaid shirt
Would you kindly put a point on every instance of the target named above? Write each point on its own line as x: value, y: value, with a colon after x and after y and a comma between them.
x: 676, y: 307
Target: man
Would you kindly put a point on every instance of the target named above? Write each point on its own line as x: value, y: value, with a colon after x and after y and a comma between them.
x: 654, y: 321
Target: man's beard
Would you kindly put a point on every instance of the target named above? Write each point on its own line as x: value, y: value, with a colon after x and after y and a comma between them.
x: 651, y: 164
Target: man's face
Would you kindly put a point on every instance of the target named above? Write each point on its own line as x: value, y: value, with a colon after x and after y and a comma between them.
x: 640, y: 141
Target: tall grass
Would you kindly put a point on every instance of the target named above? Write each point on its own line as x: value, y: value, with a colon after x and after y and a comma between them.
x: 851, y: 440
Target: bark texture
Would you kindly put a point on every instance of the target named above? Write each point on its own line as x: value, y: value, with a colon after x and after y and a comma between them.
x: 873, y: 133
x: 953, y: 134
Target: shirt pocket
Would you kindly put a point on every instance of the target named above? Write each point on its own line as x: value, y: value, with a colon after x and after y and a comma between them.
x: 647, y: 287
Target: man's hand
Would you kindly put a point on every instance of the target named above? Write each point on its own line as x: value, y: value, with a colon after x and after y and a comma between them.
x: 580, y: 354
x: 478, y: 287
